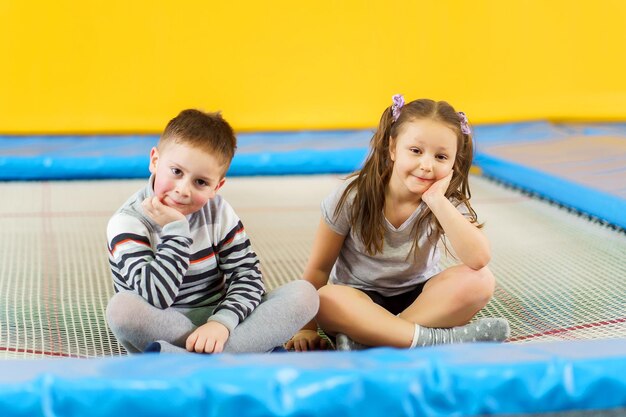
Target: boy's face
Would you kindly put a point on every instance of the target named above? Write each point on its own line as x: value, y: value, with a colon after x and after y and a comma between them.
x: 185, y: 178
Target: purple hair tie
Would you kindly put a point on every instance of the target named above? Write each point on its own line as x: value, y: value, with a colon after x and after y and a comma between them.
x: 464, y: 123
x: 398, y: 102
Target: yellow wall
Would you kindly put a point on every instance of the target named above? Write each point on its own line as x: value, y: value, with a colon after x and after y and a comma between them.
x: 128, y: 66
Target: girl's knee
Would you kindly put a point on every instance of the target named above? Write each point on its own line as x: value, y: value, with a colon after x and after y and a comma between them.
x: 477, y: 288
x: 331, y: 294
x: 336, y: 303
x: 487, y: 282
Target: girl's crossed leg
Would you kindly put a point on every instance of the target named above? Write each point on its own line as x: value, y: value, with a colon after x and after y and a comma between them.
x: 438, y: 315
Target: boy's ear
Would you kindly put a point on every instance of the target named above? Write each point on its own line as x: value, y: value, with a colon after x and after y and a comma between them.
x: 154, y: 158
x: 220, y: 184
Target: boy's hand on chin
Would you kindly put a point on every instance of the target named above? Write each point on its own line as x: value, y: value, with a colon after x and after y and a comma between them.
x: 159, y: 212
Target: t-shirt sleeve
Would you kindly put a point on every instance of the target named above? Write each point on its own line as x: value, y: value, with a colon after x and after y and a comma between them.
x: 340, y: 222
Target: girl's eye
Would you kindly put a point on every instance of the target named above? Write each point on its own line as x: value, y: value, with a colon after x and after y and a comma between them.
x: 416, y: 150
x: 442, y: 157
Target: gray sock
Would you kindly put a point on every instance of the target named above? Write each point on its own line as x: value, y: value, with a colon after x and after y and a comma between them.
x: 343, y: 342
x: 482, y: 330
x: 161, y: 346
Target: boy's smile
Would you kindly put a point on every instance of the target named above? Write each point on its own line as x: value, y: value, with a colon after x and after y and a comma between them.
x: 185, y: 177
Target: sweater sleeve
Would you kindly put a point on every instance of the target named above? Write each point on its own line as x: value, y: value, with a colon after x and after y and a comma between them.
x: 241, y: 269
x: 154, y: 273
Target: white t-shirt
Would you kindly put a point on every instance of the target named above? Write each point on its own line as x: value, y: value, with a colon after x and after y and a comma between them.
x: 393, y: 271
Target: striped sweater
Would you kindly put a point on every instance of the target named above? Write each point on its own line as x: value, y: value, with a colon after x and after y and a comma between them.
x: 206, y: 260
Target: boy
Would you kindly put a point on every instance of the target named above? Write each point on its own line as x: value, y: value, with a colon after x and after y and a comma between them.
x: 183, y: 269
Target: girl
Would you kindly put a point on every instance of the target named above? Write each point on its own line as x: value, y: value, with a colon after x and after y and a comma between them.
x: 377, y: 241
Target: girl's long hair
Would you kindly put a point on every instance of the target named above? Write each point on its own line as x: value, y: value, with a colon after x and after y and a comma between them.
x: 369, y: 184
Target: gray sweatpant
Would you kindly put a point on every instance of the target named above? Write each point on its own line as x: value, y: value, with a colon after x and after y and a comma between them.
x: 282, y: 312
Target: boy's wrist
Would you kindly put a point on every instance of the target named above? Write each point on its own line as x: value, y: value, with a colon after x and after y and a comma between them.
x: 177, y: 227
x: 227, y: 318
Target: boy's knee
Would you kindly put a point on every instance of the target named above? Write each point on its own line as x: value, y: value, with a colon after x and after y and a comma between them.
x: 120, y: 310
x: 305, y: 296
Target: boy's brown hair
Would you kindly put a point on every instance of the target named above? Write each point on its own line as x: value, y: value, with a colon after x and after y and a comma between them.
x: 206, y: 131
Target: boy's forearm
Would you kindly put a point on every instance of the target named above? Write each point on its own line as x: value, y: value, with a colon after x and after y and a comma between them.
x: 156, y: 276
x: 244, y: 293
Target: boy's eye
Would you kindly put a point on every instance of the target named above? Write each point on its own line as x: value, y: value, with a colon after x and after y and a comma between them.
x: 416, y: 150
x: 176, y: 171
x: 202, y: 183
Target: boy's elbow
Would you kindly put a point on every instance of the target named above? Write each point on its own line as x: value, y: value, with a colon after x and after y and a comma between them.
x: 162, y: 301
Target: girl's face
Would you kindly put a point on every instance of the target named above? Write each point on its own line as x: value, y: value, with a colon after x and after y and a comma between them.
x: 185, y: 178
x: 423, y: 152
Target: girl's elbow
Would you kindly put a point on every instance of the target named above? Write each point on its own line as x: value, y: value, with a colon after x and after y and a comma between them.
x: 479, y: 264
x: 479, y: 261
x: 317, y: 278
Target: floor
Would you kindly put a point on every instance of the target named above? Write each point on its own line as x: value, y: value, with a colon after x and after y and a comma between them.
x: 560, y: 276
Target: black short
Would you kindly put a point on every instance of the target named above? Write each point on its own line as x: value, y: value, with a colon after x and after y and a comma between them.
x: 396, y: 304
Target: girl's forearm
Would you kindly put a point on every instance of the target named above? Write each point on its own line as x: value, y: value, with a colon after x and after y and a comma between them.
x: 468, y: 242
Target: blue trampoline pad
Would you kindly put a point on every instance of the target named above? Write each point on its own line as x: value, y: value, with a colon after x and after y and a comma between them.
x: 578, y: 166
x: 114, y: 157
x: 468, y: 380
x: 581, y: 166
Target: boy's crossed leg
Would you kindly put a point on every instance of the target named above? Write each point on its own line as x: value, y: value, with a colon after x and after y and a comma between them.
x: 137, y: 324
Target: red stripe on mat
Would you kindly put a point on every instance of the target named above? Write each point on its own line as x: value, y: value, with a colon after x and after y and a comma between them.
x: 39, y: 352
x: 50, y: 269
x: 568, y: 329
x: 37, y: 214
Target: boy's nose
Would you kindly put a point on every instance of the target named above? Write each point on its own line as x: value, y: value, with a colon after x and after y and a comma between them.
x: 182, y: 188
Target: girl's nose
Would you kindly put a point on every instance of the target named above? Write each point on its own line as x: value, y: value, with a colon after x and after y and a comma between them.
x: 426, y: 164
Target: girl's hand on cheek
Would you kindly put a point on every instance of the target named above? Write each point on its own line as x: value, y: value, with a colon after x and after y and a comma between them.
x: 437, y: 189
x: 159, y: 212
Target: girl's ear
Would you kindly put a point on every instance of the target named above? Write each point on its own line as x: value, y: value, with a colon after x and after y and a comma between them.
x: 392, y: 149
x: 154, y: 158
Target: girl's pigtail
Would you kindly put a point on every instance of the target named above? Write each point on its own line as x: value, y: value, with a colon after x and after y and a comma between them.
x: 367, y: 217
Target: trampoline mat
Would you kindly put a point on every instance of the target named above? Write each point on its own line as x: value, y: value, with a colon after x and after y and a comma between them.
x: 559, y: 275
